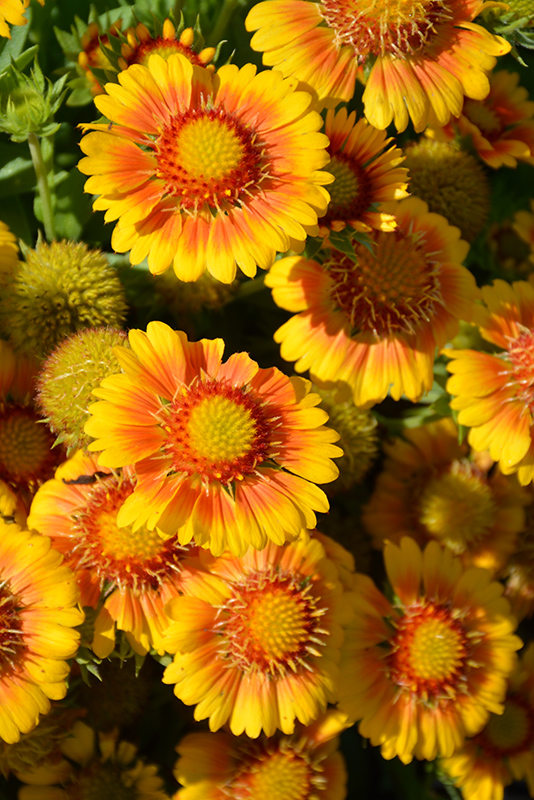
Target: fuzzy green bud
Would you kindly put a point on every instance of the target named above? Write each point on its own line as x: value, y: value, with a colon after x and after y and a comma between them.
x: 28, y: 103
x: 68, y: 377
x: 61, y: 288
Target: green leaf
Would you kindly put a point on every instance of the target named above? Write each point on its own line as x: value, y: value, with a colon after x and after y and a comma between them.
x: 12, y: 48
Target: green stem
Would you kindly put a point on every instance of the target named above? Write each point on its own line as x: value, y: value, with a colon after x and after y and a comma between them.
x: 225, y: 15
x: 42, y: 186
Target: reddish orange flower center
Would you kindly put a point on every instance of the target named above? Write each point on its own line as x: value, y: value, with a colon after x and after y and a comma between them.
x: 429, y: 653
x: 275, y: 770
x: 509, y: 733
x: 393, y: 289
x: 457, y: 506
x: 521, y: 357
x: 271, y: 624
x: 26, y: 455
x: 350, y: 194
x: 163, y: 47
x: 208, y: 158
x: 219, y: 431
x: 380, y: 27
x: 484, y: 116
x: 11, y: 633
x: 137, y: 559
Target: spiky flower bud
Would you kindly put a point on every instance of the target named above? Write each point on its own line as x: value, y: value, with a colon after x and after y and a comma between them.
x: 61, y: 288
x: 452, y: 182
x: 68, y: 377
x: 28, y: 103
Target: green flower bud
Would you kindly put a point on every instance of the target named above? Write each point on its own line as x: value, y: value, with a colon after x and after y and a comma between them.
x: 28, y: 103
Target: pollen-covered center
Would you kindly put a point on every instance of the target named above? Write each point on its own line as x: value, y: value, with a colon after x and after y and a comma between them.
x: 429, y: 652
x: 218, y: 431
x: 521, y: 357
x: 209, y: 158
x: 280, y: 774
x: 509, y: 732
x: 11, y: 633
x: 271, y: 624
x: 457, y: 507
x: 484, y: 117
x: 379, y: 27
x: 394, y: 288
x: 350, y: 194
x: 121, y: 556
x: 162, y: 47
x: 25, y: 447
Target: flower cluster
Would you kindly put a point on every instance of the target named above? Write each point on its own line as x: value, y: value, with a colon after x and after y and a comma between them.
x: 291, y: 581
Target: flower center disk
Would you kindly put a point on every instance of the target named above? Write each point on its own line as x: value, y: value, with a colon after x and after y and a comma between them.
x: 429, y: 653
x: 11, y: 634
x: 278, y: 774
x: 457, y: 507
x: 121, y: 556
x: 271, y: 624
x: 521, y: 356
x: 509, y: 732
x: 378, y: 27
x: 350, y: 194
x: 217, y: 431
x: 209, y: 158
x: 25, y: 446
x: 391, y: 290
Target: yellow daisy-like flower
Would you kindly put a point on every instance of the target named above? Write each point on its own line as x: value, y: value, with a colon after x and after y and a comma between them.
x: 257, y: 642
x: 502, y: 752
x: 206, y: 171
x: 12, y: 13
x: 501, y: 126
x: 138, y: 571
x: 304, y: 766
x: 494, y: 393
x: 425, y: 55
x: 425, y: 670
x: 226, y: 454
x: 431, y: 489
x: 37, y: 614
x: 366, y: 174
x: 373, y: 323
x: 103, y: 768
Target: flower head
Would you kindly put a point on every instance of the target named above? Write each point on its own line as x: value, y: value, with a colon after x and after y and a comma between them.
x: 206, y: 171
x: 501, y: 126
x: 137, y: 570
x: 423, y: 56
x: 226, y: 454
x: 304, y: 766
x: 373, y: 323
x: 431, y: 489
x: 257, y: 639
x: 140, y: 45
x: 100, y: 766
x: 452, y: 183
x: 365, y: 172
x: 61, y: 288
x: 424, y: 671
x: 502, y: 751
x: 38, y: 596
x: 494, y: 393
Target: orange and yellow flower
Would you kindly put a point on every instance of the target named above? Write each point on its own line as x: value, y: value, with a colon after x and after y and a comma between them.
x: 140, y: 45
x: 366, y: 174
x: 501, y: 126
x: 102, y: 766
x: 92, y: 55
x: 137, y: 571
x: 206, y: 170
x: 430, y: 488
x: 423, y: 56
x: 258, y: 641
x: 373, y: 323
x: 304, y: 765
x: 12, y: 13
x: 38, y: 597
x: 226, y: 454
x: 502, y: 752
x: 494, y: 393
x: 425, y: 670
